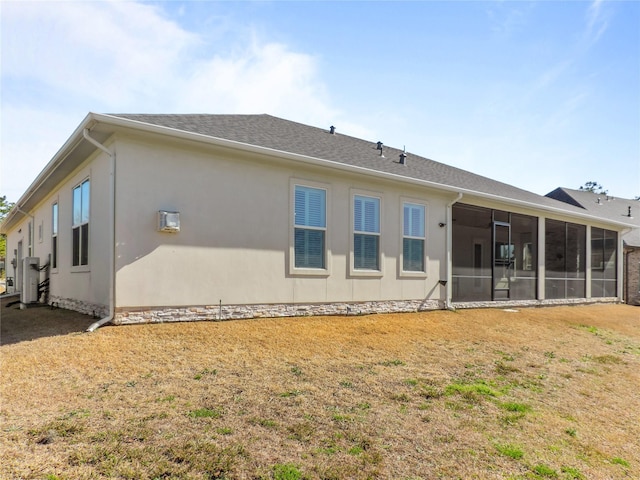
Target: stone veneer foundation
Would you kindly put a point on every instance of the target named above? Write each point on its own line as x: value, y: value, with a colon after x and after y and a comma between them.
x: 128, y: 316
x: 97, y: 310
x: 535, y: 303
x: 233, y: 312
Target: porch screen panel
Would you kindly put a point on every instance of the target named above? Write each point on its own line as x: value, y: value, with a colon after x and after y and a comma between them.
x: 565, y: 247
x: 604, y: 272
x: 524, y: 236
x: 471, y: 254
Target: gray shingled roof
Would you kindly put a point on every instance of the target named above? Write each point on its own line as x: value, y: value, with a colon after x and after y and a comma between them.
x: 287, y: 136
x: 604, y: 206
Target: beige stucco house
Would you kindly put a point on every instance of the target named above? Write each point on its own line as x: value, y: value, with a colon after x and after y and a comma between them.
x: 150, y: 218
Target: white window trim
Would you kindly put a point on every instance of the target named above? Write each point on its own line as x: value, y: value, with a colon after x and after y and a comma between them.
x: 401, y: 271
x: 87, y: 267
x: 314, y: 272
x: 353, y: 272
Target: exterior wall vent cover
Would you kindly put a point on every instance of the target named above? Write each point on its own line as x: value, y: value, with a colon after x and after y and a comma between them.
x: 168, y: 221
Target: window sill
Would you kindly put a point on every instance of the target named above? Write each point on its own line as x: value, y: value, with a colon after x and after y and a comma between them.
x: 309, y: 272
x: 81, y: 269
x: 366, y: 273
x: 413, y: 274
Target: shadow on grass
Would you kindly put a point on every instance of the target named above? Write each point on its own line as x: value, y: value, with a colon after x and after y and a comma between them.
x: 18, y: 325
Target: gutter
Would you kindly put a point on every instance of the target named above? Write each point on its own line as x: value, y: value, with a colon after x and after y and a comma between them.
x: 97, y: 118
x: 449, y: 247
x: 112, y: 225
x: 222, y: 142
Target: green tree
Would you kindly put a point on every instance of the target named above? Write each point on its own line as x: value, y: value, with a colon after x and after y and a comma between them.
x: 5, y: 207
x: 594, y: 187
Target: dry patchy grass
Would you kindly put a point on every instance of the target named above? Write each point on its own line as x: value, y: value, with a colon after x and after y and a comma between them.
x: 538, y: 393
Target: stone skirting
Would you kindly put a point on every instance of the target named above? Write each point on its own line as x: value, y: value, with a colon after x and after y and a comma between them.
x: 233, y: 312
x: 96, y: 310
x: 127, y: 316
x: 632, y: 276
x: 535, y: 303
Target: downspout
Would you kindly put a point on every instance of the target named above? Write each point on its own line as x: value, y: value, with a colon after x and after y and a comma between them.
x: 112, y: 225
x: 449, y: 247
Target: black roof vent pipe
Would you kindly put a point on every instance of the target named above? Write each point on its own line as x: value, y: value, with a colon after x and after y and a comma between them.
x: 403, y: 158
x: 379, y: 146
x: 332, y: 130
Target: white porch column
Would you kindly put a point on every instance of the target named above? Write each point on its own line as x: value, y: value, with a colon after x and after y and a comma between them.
x: 620, y: 280
x: 541, y: 257
x: 587, y: 265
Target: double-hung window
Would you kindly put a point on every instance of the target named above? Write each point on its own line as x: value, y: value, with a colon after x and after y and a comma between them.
x: 310, y: 227
x: 54, y: 236
x: 30, y: 240
x: 413, y: 237
x: 366, y: 233
x: 80, y: 228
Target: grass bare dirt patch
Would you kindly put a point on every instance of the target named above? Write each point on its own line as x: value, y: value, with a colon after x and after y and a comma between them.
x: 538, y: 393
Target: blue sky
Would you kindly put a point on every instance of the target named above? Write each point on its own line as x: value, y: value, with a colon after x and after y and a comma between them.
x: 535, y: 94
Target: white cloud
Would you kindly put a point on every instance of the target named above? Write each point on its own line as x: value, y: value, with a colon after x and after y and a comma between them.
x: 508, y: 18
x: 63, y: 59
x: 124, y: 54
x: 30, y: 137
x: 597, y: 21
x: 260, y: 78
x: 109, y: 52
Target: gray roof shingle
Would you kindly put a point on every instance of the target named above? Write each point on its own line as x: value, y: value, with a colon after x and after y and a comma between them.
x: 604, y: 206
x: 288, y: 136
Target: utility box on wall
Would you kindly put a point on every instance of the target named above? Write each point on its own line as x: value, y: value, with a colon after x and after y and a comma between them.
x: 30, y: 280
x: 168, y: 221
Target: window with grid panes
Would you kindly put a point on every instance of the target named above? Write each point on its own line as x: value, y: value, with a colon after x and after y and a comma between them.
x: 366, y: 233
x: 310, y: 227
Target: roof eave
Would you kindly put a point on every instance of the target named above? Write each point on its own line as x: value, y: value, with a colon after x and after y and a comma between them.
x: 56, y: 161
x: 94, y: 118
x: 125, y: 122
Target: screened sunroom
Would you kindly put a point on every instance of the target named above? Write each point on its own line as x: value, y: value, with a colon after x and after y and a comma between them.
x: 495, y: 257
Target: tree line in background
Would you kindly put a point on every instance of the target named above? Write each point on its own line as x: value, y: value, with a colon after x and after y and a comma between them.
x: 5, y: 207
x: 595, y: 187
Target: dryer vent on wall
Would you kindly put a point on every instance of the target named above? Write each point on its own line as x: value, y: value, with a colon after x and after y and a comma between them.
x: 168, y: 221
